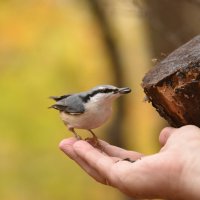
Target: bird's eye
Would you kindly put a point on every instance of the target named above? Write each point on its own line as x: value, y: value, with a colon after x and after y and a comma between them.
x: 108, y: 90
x: 115, y: 91
x: 105, y: 90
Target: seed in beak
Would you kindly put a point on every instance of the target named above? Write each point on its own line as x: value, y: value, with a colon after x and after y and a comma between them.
x: 125, y: 90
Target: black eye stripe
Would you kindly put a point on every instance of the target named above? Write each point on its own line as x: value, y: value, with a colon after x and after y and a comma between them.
x: 106, y: 90
x: 93, y: 93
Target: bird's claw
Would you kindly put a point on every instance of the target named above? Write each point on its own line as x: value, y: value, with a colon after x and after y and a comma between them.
x: 78, y: 137
x: 94, y: 142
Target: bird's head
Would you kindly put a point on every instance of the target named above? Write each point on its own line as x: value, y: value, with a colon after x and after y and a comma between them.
x: 105, y: 93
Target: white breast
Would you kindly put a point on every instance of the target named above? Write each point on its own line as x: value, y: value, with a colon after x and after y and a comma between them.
x: 94, y: 116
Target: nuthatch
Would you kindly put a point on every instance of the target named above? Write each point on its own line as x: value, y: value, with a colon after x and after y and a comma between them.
x: 88, y: 110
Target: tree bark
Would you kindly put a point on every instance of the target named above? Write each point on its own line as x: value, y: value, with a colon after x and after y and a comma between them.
x: 173, y: 86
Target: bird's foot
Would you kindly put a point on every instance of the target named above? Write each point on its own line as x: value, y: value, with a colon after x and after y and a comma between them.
x: 78, y: 137
x: 75, y: 134
x: 94, y: 141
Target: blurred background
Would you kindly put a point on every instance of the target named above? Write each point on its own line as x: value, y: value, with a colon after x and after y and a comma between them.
x: 56, y: 47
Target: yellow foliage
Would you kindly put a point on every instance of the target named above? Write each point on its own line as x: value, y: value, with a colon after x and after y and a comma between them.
x: 52, y: 48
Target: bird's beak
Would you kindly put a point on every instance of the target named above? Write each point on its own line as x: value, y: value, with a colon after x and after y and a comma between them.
x: 124, y: 90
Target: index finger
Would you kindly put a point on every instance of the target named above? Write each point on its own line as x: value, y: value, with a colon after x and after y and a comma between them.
x: 98, y: 161
x: 114, y: 151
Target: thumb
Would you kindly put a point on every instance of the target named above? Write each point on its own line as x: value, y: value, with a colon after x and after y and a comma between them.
x: 165, y: 134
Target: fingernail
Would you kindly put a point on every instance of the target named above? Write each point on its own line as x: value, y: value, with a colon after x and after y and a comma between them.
x: 66, y: 142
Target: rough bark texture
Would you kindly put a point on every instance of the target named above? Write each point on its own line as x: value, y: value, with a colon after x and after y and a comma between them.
x: 173, y: 85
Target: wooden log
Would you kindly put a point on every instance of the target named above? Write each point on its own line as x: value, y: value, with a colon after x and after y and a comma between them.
x: 173, y: 85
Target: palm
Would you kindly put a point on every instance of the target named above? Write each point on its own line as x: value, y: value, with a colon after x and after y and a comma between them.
x: 159, y: 175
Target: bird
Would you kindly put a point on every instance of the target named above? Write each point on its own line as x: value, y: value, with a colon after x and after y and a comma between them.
x: 88, y: 110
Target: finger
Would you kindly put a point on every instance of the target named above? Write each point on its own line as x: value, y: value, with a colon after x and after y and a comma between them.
x: 165, y: 134
x: 66, y: 146
x: 119, y: 152
x: 96, y: 160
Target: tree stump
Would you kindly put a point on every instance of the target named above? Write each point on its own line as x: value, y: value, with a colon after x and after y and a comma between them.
x: 173, y: 85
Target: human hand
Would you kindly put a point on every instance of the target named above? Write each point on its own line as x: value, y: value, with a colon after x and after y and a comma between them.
x: 172, y: 173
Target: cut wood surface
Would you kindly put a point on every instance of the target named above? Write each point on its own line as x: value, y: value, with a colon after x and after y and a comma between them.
x: 173, y: 85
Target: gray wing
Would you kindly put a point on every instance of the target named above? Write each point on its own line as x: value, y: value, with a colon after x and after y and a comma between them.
x: 71, y: 105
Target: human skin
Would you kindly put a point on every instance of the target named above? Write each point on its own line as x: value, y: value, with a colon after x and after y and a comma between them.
x: 172, y: 173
